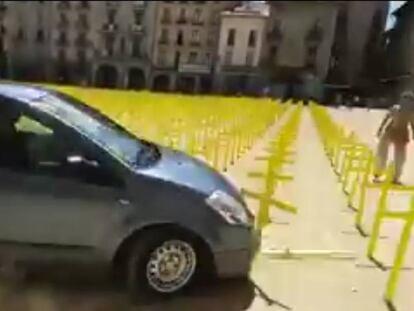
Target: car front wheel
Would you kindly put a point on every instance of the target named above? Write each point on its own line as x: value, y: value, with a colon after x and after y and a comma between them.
x: 161, y: 263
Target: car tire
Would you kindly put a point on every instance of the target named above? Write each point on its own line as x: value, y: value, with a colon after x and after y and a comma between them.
x: 161, y: 264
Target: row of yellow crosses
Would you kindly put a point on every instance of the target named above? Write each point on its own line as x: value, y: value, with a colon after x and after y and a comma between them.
x: 215, y: 128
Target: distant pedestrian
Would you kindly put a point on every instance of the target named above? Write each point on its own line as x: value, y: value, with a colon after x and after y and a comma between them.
x: 394, y: 130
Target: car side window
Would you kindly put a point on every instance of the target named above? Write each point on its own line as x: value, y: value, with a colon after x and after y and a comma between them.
x: 28, y: 125
x: 33, y: 144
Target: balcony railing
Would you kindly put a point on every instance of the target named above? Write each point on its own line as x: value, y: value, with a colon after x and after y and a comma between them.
x: 136, y: 29
x: 181, y: 21
x: 203, y: 68
x: 195, y: 43
x: 165, y: 20
x: 197, y: 22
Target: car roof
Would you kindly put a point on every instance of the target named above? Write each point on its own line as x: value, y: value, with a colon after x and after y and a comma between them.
x: 25, y: 93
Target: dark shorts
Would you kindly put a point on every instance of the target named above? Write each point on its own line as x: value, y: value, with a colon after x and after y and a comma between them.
x: 397, y: 135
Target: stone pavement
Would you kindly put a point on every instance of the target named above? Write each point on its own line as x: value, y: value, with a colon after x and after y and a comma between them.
x: 307, y: 284
x: 323, y: 223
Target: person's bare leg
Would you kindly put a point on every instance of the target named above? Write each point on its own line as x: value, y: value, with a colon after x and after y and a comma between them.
x: 400, y: 155
x: 381, y: 157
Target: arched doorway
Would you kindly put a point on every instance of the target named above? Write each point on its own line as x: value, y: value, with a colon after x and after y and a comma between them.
x: 206, y: 84
x: 186, y: 84
x: 161, y: 83
x: 136, y: 79
x: 106, y: 76
x: 236, y: 84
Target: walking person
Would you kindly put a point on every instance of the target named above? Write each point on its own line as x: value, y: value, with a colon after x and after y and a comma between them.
x: 394, y: 131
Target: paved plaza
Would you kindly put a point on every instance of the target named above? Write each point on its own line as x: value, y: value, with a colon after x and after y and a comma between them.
x: 307, y: 283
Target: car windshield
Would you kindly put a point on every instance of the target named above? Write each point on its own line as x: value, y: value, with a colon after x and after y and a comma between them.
x: 101, y: 129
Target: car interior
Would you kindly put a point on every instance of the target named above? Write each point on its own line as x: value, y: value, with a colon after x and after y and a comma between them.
x: 30, y: 145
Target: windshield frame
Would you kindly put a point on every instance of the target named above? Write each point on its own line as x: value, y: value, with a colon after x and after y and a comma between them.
x: 42, y: 102
x: 91, y: 112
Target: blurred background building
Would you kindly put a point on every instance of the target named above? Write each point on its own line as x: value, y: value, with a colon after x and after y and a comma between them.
x: 399, y: 51
x: 296, y: 48
x: 183, y: 43
x: 327, y: 49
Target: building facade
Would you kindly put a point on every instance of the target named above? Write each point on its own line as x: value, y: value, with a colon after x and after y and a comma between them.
x: 119, y: 38
x: 184, y: 43
x: 298, y: 53
x: 327, y: 48
x: 241, y: 38
x: 399, y: 56
x: 358, y: 40
x: 78, y: 42
x: 190, y: 46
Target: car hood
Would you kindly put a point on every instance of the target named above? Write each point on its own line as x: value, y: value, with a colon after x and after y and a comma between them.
x: 179, y: 168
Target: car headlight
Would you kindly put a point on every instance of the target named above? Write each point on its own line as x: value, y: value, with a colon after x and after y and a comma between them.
x: 228, y: 207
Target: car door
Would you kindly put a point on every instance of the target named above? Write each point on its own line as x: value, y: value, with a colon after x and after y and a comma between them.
x: 63, y: 196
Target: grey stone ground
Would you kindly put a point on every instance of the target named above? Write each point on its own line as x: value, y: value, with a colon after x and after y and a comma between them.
x: 310, y: 284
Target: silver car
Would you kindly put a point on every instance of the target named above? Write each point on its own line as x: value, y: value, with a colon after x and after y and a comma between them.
x: 77, y: 188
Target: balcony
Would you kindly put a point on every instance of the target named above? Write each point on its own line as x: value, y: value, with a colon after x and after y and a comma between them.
x: 195, y: 43
x: 197, y: 22
x: 63, y: 5
x: 202, y: 68
x: 136, y: 29
x: 181, y: 21
x: 109, y: 28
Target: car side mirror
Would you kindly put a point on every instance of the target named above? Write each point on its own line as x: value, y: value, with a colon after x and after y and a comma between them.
x: 78, y: 159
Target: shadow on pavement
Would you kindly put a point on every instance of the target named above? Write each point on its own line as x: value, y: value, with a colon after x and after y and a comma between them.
x: 60, y: 292
x: 270, y: 301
